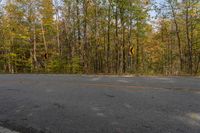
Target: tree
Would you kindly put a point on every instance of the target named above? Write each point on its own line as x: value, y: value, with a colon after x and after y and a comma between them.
x: 95, y: 36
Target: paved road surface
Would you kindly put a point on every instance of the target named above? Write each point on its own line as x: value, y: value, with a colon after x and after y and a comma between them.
x: 93, y: 104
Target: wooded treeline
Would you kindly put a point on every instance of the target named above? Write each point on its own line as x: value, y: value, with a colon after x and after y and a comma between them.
x: 95, y: 36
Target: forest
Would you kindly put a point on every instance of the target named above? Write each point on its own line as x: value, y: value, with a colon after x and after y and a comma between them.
x: 100, y: 36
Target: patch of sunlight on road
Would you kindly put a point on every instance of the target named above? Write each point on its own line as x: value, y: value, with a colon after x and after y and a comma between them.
x: 101, y: 115
x: 191, y: 118
x: 127, y: 105
x: 194, y: 116
x: 5, y: 130
x: 169, y: 80
x: 198, y: 93
x: 98, y: 108
x: 165, y: 79
x: 49, y: 90
x: 95, y: 79
x: 122, y: 81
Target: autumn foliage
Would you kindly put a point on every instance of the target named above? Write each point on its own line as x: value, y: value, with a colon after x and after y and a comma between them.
x: 95, y: 36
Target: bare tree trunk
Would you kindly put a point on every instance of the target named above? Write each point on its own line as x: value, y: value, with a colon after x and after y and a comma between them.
x: 116, y: 41
x: 44, y: 38
x: 123, y: 49
x: 34, y: 47
x: 108, y: 39
x: 95, y: 41
x: 45, y: 45
x: 197, y: 66
x: 177, y: 35
x: 123, y: 65
x: 137, y: 50
x: 58, y: 32
x: 187, y: 24
x: 85, y: 37
x: 78, y: 27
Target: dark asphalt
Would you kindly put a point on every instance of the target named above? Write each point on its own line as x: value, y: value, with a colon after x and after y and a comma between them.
x: 99, y: 104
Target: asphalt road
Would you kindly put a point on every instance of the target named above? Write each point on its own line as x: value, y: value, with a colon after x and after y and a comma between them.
x: 99, y: 104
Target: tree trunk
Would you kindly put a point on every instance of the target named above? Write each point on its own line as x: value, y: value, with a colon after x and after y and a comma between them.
x: 108, y: 39
x: 34, y: 47
x: 85, y: 58
x: 116, y: 41
x: 178, y: 36
x: 187, y: 24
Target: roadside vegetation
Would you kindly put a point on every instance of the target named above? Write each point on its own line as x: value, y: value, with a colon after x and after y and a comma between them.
x: 100, y: 36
